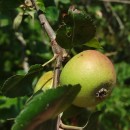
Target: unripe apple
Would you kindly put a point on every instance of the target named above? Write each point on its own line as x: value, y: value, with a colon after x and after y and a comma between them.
x: 94, y: 72
x: 45, y: 82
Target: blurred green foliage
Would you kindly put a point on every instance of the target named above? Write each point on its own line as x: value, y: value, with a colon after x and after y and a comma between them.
x: 29, y: 45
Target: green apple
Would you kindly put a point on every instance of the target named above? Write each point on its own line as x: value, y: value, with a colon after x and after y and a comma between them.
x: 45, y: 82
x: 94, y: 72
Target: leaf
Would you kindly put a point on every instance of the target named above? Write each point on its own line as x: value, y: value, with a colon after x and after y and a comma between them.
x: 77, y: 29
x: 40, y: 5
x: 93, y: 43
x: 63, y: 1
x: 21, y: 85
x: 44, y: 106
x: 30, y: 13
x: 18, y: 20
x: 8, y: 102
x: 3, y: 21
x: 52, y: 14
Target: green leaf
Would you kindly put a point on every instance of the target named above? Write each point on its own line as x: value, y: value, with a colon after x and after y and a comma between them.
x: 30, y: 13
x: 40, y: 5
x: 77, y: 29
x: 3, y: 21
x: 11, y: 107
x: 18, y: 20
x: 62, y: 1
x: 123, y: 72
x: 93, y: 43
x: 7, y: 102
x: 21, y: 85
x: 44, y: 106
x: 52, y: 14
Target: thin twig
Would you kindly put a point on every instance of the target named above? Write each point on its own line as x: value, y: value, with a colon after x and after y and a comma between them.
x: 117, y: 1
x: 51, y: 60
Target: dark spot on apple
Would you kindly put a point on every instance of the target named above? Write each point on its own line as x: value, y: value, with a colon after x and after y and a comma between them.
x: 81, y: 55
x: 104, y: 90
x: 102, y: 93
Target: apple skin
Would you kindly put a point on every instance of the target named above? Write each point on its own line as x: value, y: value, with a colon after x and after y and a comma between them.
x: 94, y: 72
x: 45, y: 82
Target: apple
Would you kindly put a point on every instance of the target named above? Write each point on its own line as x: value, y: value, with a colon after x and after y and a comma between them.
x: 45, y: 82
x: 94, y: 72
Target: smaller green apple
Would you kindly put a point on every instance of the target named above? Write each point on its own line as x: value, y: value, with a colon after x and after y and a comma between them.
x: 45, y: 82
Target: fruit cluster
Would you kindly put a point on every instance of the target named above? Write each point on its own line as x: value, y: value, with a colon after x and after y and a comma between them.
x: 94, y: 72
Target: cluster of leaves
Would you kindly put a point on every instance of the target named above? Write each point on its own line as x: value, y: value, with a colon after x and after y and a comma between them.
x: 22, y: 44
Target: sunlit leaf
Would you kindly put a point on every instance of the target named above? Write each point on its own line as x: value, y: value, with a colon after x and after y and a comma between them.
x: 93, y: 43
x: 18, y: 20
x: 41, y: 5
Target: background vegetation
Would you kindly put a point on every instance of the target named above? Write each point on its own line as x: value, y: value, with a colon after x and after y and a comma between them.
x: 23, y: 43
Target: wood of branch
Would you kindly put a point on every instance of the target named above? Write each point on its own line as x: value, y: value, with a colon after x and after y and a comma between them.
x: 57, y: 50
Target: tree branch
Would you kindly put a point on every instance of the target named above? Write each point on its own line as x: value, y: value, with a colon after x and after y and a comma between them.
x: 59, y: 52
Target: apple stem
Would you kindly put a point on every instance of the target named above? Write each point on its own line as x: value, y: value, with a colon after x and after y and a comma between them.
x: 51, y: 60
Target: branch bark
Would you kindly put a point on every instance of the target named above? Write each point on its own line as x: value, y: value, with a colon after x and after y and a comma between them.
x: 59, y: 52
